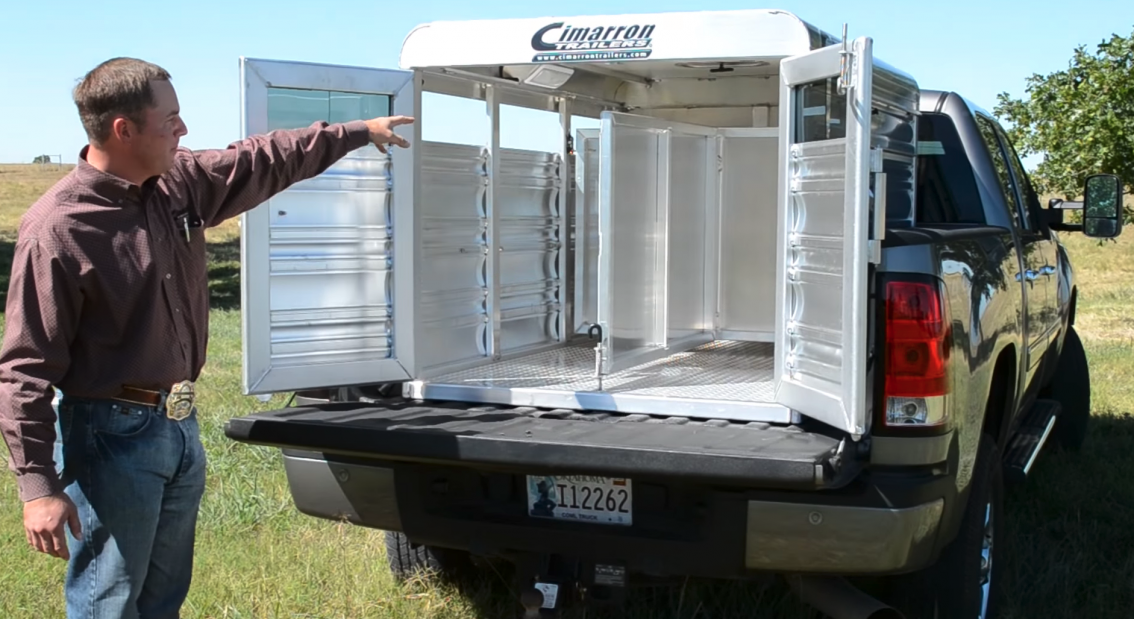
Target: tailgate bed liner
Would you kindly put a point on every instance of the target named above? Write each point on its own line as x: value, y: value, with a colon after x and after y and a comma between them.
x: 534, y: 440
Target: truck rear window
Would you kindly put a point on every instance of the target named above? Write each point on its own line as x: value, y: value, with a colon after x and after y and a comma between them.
x: 946, y: 187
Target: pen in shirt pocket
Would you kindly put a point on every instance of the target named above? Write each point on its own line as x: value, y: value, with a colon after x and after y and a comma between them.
x: 187, y: 220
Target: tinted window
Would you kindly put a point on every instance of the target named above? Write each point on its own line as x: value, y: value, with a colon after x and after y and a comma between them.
x: 946, y: 185
x: 820, y: 112
x: 1031, y: 209
x: 291, y: 108
x: 1000, y: 163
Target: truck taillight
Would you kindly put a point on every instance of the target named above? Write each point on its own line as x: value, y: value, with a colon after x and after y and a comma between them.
x: 917, y: 354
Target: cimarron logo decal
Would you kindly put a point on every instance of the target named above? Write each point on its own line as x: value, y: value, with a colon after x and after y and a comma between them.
x: 560, y: 42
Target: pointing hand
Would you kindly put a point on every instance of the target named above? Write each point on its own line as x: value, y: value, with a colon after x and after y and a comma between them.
x: 382, y: 131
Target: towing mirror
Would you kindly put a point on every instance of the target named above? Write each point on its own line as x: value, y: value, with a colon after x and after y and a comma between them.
x: 1102, y: 209
x: 1102, y: 206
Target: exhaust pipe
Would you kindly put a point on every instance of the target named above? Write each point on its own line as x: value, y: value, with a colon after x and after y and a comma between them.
x: 839, y: 599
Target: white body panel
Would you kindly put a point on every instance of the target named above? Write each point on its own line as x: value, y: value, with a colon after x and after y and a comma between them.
x: 606, y: 38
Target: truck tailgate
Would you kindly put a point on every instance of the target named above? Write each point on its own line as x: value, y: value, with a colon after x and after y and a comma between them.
x: 752, y: 454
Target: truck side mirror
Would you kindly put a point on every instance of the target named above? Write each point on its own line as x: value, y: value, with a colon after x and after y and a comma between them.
x: 1102, y: 206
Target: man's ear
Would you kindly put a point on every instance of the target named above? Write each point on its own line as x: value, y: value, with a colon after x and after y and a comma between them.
x: 123, y: 129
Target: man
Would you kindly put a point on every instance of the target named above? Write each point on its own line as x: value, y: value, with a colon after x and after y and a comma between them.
x: 108, y: 301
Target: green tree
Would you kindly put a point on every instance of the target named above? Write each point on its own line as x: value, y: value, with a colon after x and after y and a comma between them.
x: 1079, y: 120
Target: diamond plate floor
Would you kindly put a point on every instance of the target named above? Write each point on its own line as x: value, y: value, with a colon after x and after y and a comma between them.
x: 722, y: 370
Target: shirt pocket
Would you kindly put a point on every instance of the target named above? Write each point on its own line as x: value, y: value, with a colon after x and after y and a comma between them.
x: 191, y: 258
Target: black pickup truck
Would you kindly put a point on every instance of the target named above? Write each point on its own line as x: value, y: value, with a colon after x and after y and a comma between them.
x: 962, y: 342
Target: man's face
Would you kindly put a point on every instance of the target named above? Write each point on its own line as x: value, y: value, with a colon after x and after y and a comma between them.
x: 153, y: 145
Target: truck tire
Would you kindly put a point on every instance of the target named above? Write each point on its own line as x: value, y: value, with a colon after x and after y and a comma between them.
x: 956, y: 585
x: 1071, y: 387
x: 407, y: 560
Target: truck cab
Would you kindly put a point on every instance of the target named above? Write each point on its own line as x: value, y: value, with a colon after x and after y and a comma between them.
x: 836, y: 318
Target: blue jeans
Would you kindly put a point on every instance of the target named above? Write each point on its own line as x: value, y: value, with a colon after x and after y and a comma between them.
x: 137, y: 478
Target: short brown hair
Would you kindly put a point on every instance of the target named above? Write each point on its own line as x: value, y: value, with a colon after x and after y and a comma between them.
x: 117, y: 87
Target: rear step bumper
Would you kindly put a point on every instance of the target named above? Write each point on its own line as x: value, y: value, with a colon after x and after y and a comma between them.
x: 710, y: 500
x: 753, y: 454
x: 679, y: 529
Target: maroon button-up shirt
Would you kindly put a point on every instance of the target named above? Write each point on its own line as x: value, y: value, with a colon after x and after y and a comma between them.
x: 107, y: 292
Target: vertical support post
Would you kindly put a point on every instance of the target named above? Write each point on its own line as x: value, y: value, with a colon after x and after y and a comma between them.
x: 661, y: 257
x: 714, y: 201
x: 492, y: 167
x: 564, y: 293
x: 604, y: 313
x: 407, y: 250
x: 579, y: 306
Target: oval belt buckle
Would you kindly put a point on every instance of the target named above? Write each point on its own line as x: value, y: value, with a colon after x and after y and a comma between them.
x: 179, y: 404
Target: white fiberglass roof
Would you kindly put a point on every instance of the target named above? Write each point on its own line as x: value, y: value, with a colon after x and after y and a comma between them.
x: 625, y: 39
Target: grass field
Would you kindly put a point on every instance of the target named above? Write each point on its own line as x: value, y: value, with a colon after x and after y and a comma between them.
x: 1071, y: 534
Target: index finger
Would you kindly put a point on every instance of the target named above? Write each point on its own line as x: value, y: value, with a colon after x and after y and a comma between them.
x: 400, y: 120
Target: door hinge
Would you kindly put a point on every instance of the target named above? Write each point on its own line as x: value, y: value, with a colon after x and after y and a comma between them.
x: 878, y: 210
x: 876, y: 160
x: 879, y: 215
x: 845, y: 57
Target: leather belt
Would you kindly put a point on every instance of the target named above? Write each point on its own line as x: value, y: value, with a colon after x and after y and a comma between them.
x: 178, y: 402
x: 139, y: 396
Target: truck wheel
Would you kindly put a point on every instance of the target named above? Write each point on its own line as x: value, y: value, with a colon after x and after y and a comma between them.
x: 1071, y: 387
x: 407, y: 561
x: 965, y: 582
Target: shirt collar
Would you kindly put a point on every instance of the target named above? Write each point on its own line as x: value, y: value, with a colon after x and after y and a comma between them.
x: 113, y: 188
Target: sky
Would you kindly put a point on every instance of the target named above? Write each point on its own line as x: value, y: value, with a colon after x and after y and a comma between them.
x: 46, y: 47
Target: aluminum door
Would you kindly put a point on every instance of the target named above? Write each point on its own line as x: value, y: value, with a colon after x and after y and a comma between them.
x: 824, y: 234
x: 326, y: 265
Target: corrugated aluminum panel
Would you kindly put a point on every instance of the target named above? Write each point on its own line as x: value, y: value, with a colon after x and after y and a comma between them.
x: 816, y: 262
x: 528, y: 225
x: 451, y: 283
x: 455, y: 225
x: 321, y: 304
x: 329, y: 263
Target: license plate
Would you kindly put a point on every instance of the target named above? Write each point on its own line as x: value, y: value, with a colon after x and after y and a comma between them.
x: 602, y: 500
x: 550, y: 594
